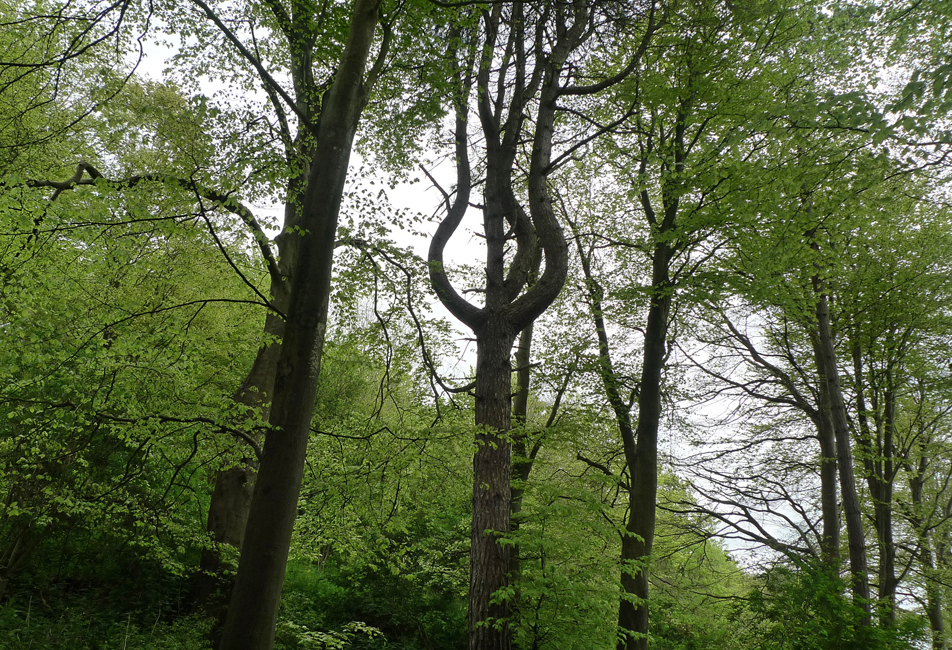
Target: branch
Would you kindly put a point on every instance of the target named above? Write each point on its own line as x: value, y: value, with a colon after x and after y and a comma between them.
x: 628, y: 69
x: 253, y: 60
x: 223, y: 199
x: 462, y: 309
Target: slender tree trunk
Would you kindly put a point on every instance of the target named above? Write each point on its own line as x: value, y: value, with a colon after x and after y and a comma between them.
x: 926, y: 557
x: 638, y: 540
x: 252, y: 613
x: 508, y: 89
x: 933, y: 595
x: 523, y: 456
x: 884, y: 514
x: 878, y: 463
x: 856, y: 537
x: 830, y: 543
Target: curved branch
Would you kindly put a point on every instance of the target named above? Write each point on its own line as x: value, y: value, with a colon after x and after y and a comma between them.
x: 462, y: 309
x: 381, y: 59
x: 628, y: 69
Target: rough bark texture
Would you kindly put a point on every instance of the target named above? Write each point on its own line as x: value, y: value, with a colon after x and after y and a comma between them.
x: 252, y: 613
x: 489, y: 560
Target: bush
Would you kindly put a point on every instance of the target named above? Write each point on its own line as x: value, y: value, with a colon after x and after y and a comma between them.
x: 804, y: 607
x: 78, y: 624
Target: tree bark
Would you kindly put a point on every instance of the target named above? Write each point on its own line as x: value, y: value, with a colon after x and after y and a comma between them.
x: 925, y: 555
x: 853, y: 516
x: 638, y: 541
x: 231, y: 499
x: 830, y: 543
x: 524, y: 457
x: 489, y: 559
x: 252, y: 614
x: 879, y: 464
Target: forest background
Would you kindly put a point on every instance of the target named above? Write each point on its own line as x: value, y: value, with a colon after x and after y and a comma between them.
x: 709, y: 298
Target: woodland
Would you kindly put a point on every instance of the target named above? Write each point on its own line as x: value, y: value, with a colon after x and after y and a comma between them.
x: 438, y: 324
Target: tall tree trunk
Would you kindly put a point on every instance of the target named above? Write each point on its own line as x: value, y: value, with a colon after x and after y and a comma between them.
x: 933, y: 594
x: 252, y: 614
x: 830, y: 543
x: 231, y: 499
x: 878, y: 463
x: 638, y: 540
x: 925, y: 556
x: 853, y: 516
x: 524, y: 456
x: 884, y: 512
x: 513, y: 77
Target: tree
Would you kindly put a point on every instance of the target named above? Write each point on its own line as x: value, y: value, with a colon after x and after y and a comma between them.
x: 254, y: 603
x: 111, y: 408
x: 699, y: 96
x: 522, y: 59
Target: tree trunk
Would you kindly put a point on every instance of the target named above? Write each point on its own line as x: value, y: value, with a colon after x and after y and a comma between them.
x: 884, y: 514
x: 638, y: 540
x: 925, y: 556
x: 489, y: 558
x: 878, y: 463
x: 856, y: 537
x: 231, y: 499
x: 927, y: 565
x: 18, y: 550
x: 523, y: 455
x: 830, y: 543
x: 252, y: 614
x: 508, y: 89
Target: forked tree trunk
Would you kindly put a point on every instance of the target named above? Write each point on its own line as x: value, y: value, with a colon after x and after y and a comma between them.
x: 513, y: 77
